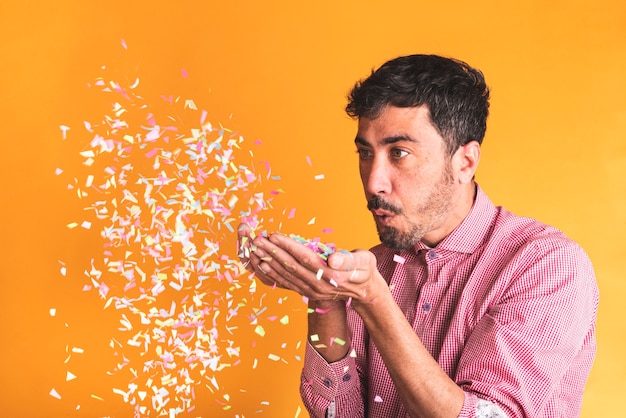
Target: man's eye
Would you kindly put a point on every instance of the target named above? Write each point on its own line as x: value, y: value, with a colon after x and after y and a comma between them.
x: 398, y: 153
x: 364, y: 153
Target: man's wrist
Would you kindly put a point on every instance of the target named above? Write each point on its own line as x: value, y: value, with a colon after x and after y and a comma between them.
x: 325, y: 305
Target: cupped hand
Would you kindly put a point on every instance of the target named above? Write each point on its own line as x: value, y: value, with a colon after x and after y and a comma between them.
x: 282, y: 261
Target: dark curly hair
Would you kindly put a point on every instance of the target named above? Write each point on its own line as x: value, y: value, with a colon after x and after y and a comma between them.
x: 455, y: 94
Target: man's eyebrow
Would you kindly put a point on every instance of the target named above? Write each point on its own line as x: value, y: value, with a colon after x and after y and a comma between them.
x: 387, y: 141
x: 361, y: 141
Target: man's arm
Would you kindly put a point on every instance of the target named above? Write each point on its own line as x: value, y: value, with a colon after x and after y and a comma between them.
x: 425, y: 388
x: 326, y: 360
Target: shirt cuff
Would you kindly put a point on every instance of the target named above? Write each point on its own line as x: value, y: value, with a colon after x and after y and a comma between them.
x: 328, y: 380
x: 473, y: 406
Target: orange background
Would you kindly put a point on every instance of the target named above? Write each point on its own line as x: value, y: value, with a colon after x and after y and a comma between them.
x: 279, y: 71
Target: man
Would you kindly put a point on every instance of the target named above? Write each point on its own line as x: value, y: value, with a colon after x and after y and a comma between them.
x: 464, y: 309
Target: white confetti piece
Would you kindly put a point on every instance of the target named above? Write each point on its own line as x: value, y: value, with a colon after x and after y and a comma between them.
x: 64, y: 130
x: 55, y: 394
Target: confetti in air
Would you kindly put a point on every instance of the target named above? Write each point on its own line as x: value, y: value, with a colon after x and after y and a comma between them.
x: 165, y: 190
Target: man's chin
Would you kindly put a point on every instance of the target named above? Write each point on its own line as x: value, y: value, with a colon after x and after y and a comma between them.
x: 394, y: 239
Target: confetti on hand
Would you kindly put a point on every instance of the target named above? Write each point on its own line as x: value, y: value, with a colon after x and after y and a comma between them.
x: 315, y: 244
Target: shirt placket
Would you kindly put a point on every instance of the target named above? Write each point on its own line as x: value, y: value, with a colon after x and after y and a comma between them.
x: 427, y: 297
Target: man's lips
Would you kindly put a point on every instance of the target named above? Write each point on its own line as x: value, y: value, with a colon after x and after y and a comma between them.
x: 383, y: 211
x: 383, y: 216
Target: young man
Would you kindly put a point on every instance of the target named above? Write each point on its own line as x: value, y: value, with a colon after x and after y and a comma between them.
x: 464, y: 310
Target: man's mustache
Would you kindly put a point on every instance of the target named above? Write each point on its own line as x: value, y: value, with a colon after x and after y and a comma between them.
x: 377, y: 202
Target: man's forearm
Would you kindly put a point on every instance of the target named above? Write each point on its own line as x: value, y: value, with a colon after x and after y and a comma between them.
x: 329, y: 333
x: 426, y: 390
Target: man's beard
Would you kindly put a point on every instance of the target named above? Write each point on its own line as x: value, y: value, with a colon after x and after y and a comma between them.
x: 436, y: 205
x: 390, y: 236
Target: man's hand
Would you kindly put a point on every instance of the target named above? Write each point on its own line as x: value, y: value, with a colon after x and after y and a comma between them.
x: 279, y: 260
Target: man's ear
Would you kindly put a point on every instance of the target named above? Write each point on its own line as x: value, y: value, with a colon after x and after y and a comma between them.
x: 465, y: 161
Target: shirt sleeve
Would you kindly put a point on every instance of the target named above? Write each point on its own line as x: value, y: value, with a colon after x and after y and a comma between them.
x: 322, y: 382
x: 538, y: 339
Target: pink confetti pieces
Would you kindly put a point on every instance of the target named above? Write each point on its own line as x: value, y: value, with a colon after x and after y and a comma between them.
x: 165, y: 193
x: 398, y: 259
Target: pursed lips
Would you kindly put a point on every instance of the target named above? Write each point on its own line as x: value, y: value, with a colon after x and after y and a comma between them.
x: 383, y: 216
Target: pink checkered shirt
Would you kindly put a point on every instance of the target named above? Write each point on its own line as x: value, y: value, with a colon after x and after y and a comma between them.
x: 505, y: 304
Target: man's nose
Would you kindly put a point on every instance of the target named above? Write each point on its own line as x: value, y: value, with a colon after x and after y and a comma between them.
x: 375, y: 175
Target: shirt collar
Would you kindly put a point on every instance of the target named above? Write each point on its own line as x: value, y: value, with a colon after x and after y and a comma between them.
x: 473, y: 231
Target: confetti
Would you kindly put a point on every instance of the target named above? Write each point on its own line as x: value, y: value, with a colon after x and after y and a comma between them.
x: 337, y: 340
x: 64, y: 130
x: 322, y: 249
x: 398, y: 259
x: 259, y: 330
x: 164, y: 187
x: 55, y: 394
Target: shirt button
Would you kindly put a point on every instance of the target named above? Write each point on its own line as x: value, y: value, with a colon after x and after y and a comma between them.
x: 327, y: 382
x: 346, y: 377
x: 432, y: 255
x: 427, y: 306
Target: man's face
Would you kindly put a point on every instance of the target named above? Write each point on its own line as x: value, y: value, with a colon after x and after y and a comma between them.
x: 407, y: 177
